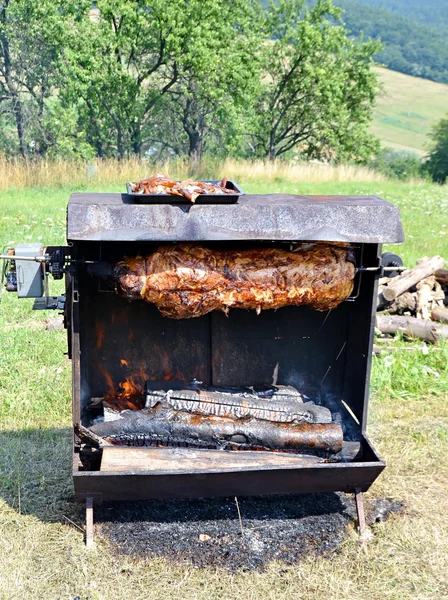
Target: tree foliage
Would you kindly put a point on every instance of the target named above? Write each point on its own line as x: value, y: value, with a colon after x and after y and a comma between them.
x: 430, y: 12
x: 157, y: 78
x: 125, y: 58
x: 319, y: 87
x: 437, y: 163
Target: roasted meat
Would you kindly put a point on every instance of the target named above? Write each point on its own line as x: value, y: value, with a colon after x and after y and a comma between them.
x: 190, y: 189
x: 189, y: 280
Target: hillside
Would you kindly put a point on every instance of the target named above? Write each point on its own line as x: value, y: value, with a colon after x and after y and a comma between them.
x: 429, y: 12
x: 406, y: 110
x: 410, y: 46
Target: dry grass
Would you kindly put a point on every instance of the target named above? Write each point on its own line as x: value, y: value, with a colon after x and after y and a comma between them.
x: 16, y: 174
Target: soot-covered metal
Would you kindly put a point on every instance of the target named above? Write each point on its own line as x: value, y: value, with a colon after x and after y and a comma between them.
x: 128, y: 358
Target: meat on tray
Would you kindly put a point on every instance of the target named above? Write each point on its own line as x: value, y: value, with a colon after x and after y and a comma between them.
x: 189, y: 188
x: 190, y: 280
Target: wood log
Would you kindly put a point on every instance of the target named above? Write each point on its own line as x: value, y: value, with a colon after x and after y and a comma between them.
x: 425, y: 268
x: 411, y: 327
x: 119, y: 459
x: 440, y: 313
x: 442, y: 276
x: 424, y: 298
x: 167, y: 426
x: 280, y: 408
x: 407, y: 302
x: 381, y: 301
x: 86, y: 436
x: 384, y: 280
x: 438, y: 294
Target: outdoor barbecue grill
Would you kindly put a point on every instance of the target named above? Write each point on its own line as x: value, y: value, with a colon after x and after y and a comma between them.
x: 122, y: 346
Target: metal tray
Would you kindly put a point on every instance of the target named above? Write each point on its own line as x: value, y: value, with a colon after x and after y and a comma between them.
x: 202, y: 198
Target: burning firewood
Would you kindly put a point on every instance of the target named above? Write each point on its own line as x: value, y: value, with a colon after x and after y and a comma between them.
x: 186, y: 281
x: 165, y: 425
x: 283, y: 408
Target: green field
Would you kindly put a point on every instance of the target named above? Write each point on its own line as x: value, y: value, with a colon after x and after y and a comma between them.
x: 407, y: 108
x: 42, y: 552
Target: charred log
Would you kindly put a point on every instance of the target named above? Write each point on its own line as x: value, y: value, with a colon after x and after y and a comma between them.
x: 187, y: 280
x: 165, y: 425
x: 284, y: 407
x: 86, y: 436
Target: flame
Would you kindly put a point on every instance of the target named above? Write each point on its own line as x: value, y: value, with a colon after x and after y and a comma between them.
x: 131, y: 393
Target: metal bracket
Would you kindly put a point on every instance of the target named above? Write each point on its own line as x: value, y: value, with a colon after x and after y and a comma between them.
x: 363, y: 535
x: 49, y: 303
x: 89, y: 522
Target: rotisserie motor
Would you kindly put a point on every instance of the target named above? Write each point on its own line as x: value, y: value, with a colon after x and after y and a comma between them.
x: 186, y: 280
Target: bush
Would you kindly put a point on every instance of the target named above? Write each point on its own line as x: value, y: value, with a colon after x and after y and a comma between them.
x: 398, y: 164
x: 437, y: 163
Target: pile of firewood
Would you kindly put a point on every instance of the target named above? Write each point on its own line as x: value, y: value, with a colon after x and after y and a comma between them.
x: 416, y: 301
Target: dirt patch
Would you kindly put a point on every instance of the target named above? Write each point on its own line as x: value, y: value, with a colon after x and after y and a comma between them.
x: 209, y: 533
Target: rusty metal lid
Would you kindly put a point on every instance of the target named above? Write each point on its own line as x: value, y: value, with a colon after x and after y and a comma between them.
x: 114, y: 217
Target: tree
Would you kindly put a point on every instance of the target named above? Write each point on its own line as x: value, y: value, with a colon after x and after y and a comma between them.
x: 29, y: 78
x: 319, y: 86
x: 25, y: 66
x: 215, y: 106
x: 437, y: 163
x: 125, y: 57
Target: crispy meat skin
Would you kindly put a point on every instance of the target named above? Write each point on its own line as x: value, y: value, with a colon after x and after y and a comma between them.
x: 189, y: 280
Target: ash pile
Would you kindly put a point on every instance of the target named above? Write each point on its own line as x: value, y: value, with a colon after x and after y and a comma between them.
x: 219, y: 533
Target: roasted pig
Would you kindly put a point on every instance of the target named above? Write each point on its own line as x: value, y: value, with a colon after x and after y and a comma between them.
x: 189, y: 280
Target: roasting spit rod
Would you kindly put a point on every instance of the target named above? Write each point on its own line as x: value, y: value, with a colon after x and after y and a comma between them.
x: 40, y: 259
x: 385, y: 269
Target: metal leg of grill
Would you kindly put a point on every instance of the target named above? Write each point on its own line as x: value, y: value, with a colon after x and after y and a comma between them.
x: 361, y: 515
x: 89, y: 523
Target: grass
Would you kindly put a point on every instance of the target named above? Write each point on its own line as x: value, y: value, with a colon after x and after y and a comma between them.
x: 16, y: 175
x: 406, y: 110
x: 42, y: 554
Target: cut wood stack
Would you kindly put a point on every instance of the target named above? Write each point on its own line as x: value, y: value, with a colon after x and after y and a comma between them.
x: 419, y: 296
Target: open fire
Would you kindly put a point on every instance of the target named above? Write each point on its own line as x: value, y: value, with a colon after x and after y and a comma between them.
x: 271, y: 418
x: 129, y: 396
